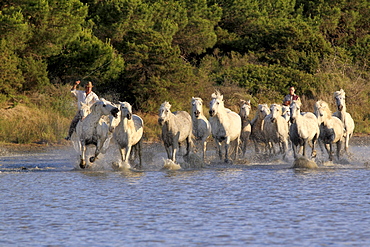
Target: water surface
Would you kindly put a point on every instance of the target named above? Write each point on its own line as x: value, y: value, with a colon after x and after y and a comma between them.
x: 46, y: 201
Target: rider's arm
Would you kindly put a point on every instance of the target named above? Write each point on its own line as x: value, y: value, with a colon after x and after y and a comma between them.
x: 75, y: 85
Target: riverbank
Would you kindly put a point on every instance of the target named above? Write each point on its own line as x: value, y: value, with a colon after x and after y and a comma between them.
x: 13, y: 148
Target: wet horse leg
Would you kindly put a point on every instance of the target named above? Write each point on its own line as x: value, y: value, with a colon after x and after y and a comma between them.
x: 128, y: 153
x: 187, y: 146
x: 227, y: 146
x: 204, y: 149
x: 82, y: 155
x: 218, y: 144
x: 99, y: 146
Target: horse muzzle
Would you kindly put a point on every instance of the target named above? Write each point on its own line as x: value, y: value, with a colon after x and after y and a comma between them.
x: 211, y: 113
x: 340, y: 107
x: 196, y: 114
x: 161, y: 121
x: 114, y: 112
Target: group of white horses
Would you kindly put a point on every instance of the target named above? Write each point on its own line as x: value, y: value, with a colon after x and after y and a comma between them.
x: 275, y: 125
x: 103, y: 121
x: 283, y: 124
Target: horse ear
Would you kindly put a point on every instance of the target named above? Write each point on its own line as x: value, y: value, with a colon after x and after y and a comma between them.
x: 249, y: 102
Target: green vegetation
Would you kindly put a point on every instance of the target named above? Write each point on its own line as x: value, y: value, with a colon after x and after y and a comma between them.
x: 146, y: 52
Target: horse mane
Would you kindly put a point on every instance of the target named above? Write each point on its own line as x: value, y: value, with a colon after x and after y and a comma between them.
x: 166, y: 104
x: 197, y: 98
x: 297, y: 102
x: 340, y: 92
x: 217, y: 95
x: 257, y: 111
x: 242, y: 102
x: 325, y: 106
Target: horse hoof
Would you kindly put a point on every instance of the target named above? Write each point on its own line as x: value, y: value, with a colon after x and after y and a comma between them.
x: 228, y: 161
x: 82, y: 165
x: 92, y: 159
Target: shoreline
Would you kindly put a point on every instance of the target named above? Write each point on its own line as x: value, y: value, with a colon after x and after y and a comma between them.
x: 15, y: 148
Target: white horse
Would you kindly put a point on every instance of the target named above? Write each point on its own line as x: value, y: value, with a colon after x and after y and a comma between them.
x: 201, y: 126
x: 226, y: 125
x: 128, y: 133
x: 276, y: 129
x: 93, y: 130
x: 176, y: 128
x: 342, y: 114
x: 257, y: 133
x: 286, y: 113
x: 304, y: 129
x: 245, y: 109
x: 84, y: 110
x: 331, y: 128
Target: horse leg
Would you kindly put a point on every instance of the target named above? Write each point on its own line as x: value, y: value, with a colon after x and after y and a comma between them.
x: 139, y: 152
x: 168, y: 151
x: 218, y: 144
x: 204, y: 149
x: 187, y: 146
x: 256, y: 148
x: 313, y: 151
x: 99, y: 146
x: 128, y: 153
x: 329, y: 149
x: 82, y: 156
x: 175, y: 147
x: 237, y: 142
x: 284, y: 146
x: 347, y: 143
x: 227, y: 146
x: 294, y: 147
x: 123, y: 153
x: 339, y: 146
x: 244, y: 147
x: 303, y: 147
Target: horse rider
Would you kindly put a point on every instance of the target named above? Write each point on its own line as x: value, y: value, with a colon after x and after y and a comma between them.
x: 290, y: 97
x: 87, y: 97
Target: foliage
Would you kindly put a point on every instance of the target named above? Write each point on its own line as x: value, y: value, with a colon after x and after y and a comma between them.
x: 148, y: 51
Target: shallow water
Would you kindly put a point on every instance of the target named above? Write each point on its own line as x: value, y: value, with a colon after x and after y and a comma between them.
x: 46, y: 201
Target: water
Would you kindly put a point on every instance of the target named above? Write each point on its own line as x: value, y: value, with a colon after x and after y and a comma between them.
x: 45, y: 201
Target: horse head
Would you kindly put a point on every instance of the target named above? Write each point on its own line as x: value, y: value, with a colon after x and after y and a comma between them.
x: 285, y: 112
x: 295, y: 110
x: 84, y: 110
x: 245, y: 108
x: 340, y: 99
x: 196, y: 106
x: 126, y: 110
x: 105, y: 107
x: 216, y: 103
x: 276, y: 111
x: 263, y: 110
x: 164, y: 112
x: 322, y: 111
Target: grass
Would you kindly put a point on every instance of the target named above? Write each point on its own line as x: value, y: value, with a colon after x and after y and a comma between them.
x: 45, y: 117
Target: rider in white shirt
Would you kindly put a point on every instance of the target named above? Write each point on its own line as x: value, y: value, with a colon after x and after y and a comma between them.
x: 87, y: 97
